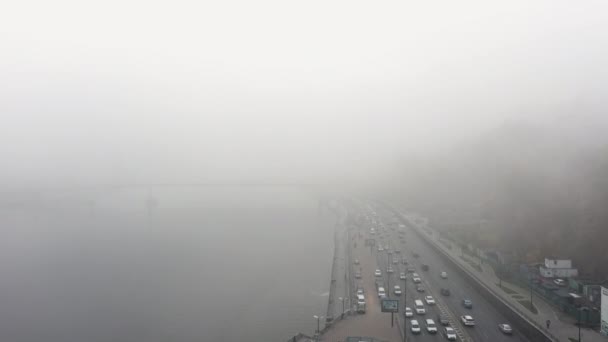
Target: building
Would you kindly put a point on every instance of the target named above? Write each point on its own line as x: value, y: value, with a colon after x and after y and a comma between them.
x: 604, y: 314
x: 558, y: 268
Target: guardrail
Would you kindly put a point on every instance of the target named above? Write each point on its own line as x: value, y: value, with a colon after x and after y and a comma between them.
x: 519, y: 318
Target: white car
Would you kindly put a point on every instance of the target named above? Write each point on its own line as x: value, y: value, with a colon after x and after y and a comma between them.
x: 450, y: 334
x: 415, y: 275
x: 389, y: 270
x: 380, y: 249
x: 397, y: 290
x: 416, y: 280
x: 356, y: 261
x: 359, y: 291
x: 378, y: 273
x: 431, y: 328
x: 381, y: 292
x: 414, y: 326
x: 560, y: 282
x: 429, y: 300
x: 505, y: 328
x: 395, y: 261
x: 408, y: 312
x: 444, y: 275
x: 402, y: 276
x: 467, y: 320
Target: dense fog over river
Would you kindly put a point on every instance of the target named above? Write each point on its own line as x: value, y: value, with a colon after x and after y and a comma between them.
x: 209, y: 263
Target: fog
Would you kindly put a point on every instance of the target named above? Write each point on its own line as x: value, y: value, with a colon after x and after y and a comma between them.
x: 124, y: 92
x: 459, y: 111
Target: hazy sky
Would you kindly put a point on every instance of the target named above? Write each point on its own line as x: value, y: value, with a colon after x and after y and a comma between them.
x: 119, y: 91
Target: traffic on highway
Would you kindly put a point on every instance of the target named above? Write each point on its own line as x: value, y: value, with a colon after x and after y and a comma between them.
x: 435, y: 300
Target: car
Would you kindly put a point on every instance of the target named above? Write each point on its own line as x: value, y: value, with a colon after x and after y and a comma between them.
x: 431, y: 328
x: 450, y: 334
x: 395, y: 261
x: 417, y: 280
x: 559, y: 282
x: 425, y: 267
x: 443, y: 320
x: 467, y: 303
x: 402, y: 275
x: 467, y: 320
x: 358, y: 275
x: 411, y: 270
x: 378, y: 273
x: 505, y: 328
x: 414, y: 326
x: 408, y: 312
x: 356, y: 261
x: 389, y: 270
x: 397, y: 290
x: 404, y: 261
x: 419, y: 288
x: 429, y: 300
x: 380, y: 249
x: 415, y: 275
x: 444, y: 275
x: 361, y: 303
x: 381, y: 292
x: 398, y: 251
x: 360, y: 291
x: 416, y: 255
x: 445, y: 292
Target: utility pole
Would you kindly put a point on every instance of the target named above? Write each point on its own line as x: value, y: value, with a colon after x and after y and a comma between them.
x: 404, y: 305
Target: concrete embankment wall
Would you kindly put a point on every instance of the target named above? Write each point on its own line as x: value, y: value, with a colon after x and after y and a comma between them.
x: 526, y: 326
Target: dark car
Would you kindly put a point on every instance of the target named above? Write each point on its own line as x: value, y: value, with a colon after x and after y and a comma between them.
x: 425, y: 267
x: 415, y: 255
x: 445, y: 292
x: 467, y: 303
x: 419, y: 288
x: 443, y: 320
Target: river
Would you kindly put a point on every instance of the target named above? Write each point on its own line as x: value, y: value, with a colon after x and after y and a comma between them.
x: 195, y: 264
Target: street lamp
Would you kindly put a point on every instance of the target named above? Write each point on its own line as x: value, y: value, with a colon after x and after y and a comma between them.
x: 318, y: 318
x: 580, y: 310
x: 404, y: 305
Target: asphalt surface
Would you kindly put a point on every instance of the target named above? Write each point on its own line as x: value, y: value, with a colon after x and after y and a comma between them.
x: 486, y: 316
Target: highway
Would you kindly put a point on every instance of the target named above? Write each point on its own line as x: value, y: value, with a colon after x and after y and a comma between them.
x: 486, y: 316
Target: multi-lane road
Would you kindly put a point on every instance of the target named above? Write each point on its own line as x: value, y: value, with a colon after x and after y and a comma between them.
x: 409, y: 243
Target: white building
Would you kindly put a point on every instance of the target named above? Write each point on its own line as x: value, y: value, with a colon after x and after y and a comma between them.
x: 558, y: 268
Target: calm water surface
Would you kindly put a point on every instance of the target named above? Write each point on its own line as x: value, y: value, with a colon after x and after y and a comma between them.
x: 208, y: 264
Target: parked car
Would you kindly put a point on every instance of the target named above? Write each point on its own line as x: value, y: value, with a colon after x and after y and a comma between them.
x: 467, y: 320
x: 467, y: 303
x: 445, y: 292
x: 505, y: 328
x: 449, y: 334
x: 559, y: 282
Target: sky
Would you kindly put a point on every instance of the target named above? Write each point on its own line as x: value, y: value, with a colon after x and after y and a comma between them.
x: 148, y: 91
